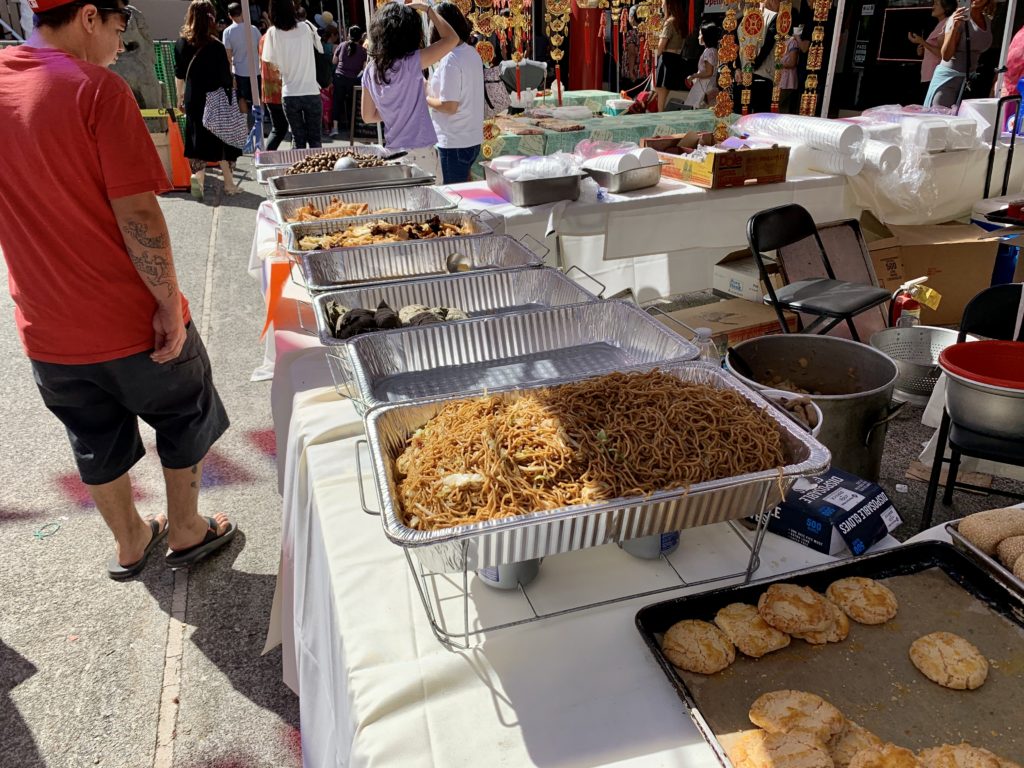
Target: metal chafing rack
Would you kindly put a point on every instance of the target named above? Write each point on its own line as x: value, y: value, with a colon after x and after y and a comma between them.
x: 451, y: 360
x: 324, y: 270
x: 467, y: 220
x: 478, y: 294
x: 396, y: 198
x: 281, y: 185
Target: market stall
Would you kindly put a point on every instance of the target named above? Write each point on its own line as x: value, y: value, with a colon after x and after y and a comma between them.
x: 423, y: 620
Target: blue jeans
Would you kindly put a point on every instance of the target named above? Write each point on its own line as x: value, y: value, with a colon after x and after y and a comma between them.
x: 305, y: 114
x: 455, y: 163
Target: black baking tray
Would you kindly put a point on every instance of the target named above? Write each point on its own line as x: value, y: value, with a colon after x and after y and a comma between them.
x: 971, y: 576
x: 1002, y: 216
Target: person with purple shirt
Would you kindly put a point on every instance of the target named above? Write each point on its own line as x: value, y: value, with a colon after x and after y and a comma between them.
x: 349, y: 60
x: 394, y: 91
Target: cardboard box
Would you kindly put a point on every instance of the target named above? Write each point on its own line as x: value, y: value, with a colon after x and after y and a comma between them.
x: 737, y: 275
x: 957, y: 261
x: 718, y: 170
x: 835, y: 512
x: 731, y: 321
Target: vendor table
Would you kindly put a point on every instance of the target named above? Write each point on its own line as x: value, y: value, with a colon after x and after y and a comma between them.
x: 593, y: 100
x: 376, y: 687
x: 618, y: 128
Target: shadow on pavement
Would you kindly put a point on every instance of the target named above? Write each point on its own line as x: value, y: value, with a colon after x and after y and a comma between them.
x: 229, y: 611
x: 19, y: 746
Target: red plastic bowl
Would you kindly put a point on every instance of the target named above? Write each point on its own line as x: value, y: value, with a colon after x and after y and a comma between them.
x: 997, y: 363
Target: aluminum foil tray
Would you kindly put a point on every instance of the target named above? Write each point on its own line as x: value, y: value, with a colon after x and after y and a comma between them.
x: 476, y: 293
x: 998, y: 571
x: 506, y: 350
x: 294, y: 232
x: 324, y: 270
x: 340, y: 181
x: 279, y: 157
x: 399, y: 198
x: 627, y: 181
x: 539, y: 534
x: 534, y: 191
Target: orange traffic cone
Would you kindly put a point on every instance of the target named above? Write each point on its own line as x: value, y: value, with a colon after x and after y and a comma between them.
x: 181, y: 174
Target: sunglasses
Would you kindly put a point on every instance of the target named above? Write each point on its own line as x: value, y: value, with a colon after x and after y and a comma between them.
x: 125, y: 13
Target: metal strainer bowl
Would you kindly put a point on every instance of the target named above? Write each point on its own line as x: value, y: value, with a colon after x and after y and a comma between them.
x: 916, y: 354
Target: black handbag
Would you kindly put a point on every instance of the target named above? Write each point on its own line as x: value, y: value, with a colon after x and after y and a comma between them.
x: 324, y: 66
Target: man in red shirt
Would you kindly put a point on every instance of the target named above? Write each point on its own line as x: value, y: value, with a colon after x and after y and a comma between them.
x: 91, y: 273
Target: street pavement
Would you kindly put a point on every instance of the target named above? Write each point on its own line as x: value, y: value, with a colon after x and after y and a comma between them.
x: 84, y: 660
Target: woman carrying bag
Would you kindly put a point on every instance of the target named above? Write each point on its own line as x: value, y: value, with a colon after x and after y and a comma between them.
x: 292, y: 46
x: 201, y: 67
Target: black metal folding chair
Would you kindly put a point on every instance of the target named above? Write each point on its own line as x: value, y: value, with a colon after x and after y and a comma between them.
x: 992, y: 314
x: 829, y: 300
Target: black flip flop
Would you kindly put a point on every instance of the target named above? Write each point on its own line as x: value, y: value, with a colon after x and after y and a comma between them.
x: 119, y: 572
x: 183, y: 558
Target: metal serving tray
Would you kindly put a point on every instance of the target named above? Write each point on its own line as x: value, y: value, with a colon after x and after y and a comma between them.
x: 627, y: 181
x: 996, y: 568
x: 324, y: 270
x: 341, y: 181
x: 538, y: 534
x: 476, y: 293
x: 869, y: 676
x: 506, y: 350
x: 289, y: 157
x: 400, y: 198
x: 533, y: 192
x: 295, y: 232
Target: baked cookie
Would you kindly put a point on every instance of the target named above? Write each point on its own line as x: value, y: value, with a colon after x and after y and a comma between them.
x: 759, y: 749
x: 751, y: 634
x: 1009, y: 551
x: 834, y: 634
x: 949, y: 660
x: 885, y: 756
x: 843, y: 747
x: 697, y: 646
x: 986, y: 529
x: 797, y: 711
x: 958, y: 756
x: 864, y: 600
x: 793, y: 609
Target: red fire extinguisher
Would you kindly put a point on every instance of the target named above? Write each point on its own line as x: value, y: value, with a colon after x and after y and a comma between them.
x: 905, y: 309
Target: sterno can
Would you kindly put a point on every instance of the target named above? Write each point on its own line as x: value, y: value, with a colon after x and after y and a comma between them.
x: 652, y: 547
x: 511, y: 575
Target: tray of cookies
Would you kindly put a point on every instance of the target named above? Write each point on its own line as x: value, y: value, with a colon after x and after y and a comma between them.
x: 910, y: 655
x: 995, y: 538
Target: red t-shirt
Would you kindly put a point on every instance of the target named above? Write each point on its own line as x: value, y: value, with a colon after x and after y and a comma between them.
x: 72, y: 139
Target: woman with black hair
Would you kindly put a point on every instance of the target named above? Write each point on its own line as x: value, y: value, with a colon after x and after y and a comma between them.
x: 703, y: 83
x: 394, y: 91
x: 968, y: 34
x: 930, y: 48
x: 349, y: 60
x: 669, y: 75
x: 455, y: 95
x: 201, y: 66
x: 290, y: 47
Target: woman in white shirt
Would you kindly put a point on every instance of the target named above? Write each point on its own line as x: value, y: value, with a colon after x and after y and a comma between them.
x: 455, y: 95
x: 290, y: 47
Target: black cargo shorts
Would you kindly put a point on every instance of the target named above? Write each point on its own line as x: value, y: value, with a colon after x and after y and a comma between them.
x: 100, y: 404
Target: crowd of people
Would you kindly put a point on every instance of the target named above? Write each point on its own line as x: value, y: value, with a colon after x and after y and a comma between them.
x: 438, y: 121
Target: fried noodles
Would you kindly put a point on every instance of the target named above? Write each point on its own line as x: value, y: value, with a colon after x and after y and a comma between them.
x: 624, y: 434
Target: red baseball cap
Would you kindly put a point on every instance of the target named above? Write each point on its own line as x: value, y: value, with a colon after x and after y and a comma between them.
x: 41, y: 6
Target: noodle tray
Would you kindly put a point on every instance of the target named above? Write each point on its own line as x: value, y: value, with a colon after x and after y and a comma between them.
x: 869, y: 675
x: 324, y: 270
x: 395, y: 198
x: 288, y: 157
x: 470, y: 222
x: 339, y: 181
x: 506, y: 350
x: 477, y: 294
x: 538, y: 534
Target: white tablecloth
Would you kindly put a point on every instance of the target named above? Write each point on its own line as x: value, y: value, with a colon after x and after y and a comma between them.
x: 376, y: 687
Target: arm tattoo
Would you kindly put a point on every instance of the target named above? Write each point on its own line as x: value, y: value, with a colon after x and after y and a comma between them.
x: 153, y: 267
x: 140, y: 233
